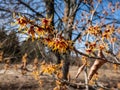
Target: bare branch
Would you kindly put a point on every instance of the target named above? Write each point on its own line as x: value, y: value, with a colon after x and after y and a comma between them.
x: 37, y: 13
x: 99, y: 58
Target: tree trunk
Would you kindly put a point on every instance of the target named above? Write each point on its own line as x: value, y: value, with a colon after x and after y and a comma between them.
x: 58, y: 57
x: 66, y: 65
x: 67, y: 35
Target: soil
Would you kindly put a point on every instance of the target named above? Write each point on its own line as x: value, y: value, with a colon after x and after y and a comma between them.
x: 13, y: 80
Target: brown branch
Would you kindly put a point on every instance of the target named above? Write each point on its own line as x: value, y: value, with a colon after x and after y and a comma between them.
x: 99, y: 58
x: 10, y: 11
x: 76, y: 8
x: 76, y: 85
x: 79, y: 35
x: 37, y: 13
x: 94, y: 11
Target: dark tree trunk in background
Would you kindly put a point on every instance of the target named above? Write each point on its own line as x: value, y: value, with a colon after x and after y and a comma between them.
x: 50, y: 14
x: 66, y: 65
x: 67, y: 30
x: 58, y: 58
x: 67, y: 34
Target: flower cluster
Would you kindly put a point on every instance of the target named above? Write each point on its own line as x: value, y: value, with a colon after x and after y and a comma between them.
x: 50, y: 68
x: 108, y: 32
x: 94, y: 30
x: 58, y: 44
x: 32, y: 28
x: 90, y: 47
x: 22, y: 21
x: 102, y: 35
x: 46, y: 32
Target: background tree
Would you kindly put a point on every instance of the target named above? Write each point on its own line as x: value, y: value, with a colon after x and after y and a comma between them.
x: 9, y: 46
x: 72, y: 18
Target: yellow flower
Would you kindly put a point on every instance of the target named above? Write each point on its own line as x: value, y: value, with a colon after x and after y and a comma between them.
x: 24, y: 58
x: 46, y: 21
x: 35, y: 74
x: 94, y: 30
x: 58, y: 44
x: 113, y: 40
x: 49, y: 29
x: 108, y: 32
x: 31, y: 31
x: 22, y: 21
x: 110, y: 29
x: 89, y: 50
x: 40, y: 31
x: 101, y: 46
x: 105, y: 36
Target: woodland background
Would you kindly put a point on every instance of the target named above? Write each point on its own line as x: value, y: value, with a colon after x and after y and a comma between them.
x: 72, y: 17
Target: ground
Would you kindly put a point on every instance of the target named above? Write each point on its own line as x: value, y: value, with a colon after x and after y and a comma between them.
x: 13, y: 80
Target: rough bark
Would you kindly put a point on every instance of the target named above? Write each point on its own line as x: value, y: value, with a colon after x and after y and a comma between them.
x: 50, y: 14
x: 69, y: 19
x: 66, y: 65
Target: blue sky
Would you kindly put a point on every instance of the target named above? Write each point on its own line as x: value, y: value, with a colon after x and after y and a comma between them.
x: 59, y: 7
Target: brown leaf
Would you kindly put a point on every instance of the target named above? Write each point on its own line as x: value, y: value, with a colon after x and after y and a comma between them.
x: 97, y: 64
x: 81, y: 68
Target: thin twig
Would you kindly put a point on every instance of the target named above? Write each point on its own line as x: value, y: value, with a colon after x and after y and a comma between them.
x: 99, y: 58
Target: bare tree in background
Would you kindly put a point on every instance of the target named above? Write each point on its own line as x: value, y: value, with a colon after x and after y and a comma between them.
x: 70, y: 17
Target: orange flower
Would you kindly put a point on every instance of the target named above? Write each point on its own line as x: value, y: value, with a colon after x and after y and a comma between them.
x: 57, y: 44
x: 105, y: 36
x: 113, y: 40
x: 22, y: 21
x: 47, y: 41
x: 46, y: 21
x: 92, y: 45
x: 49, y: 29
x: 108, y: 32
x: 101, y: 47
x: 88, y: 50
x: 40, y: 31
x: 94, y: 30
x: 31, y: 31
x: 110, y: 29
